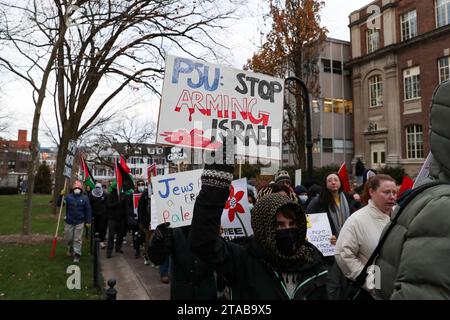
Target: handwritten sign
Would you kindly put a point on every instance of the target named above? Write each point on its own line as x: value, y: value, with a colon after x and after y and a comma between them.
x: 201, y: 101
x: 319, y: 233
x: 236, y: 216
x: 68, y: 164
x: 175, y: 196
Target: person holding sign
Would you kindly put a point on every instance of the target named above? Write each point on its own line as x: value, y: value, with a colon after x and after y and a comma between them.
x: 276, y: 262
x: 361, y: 232
x: 190, y: 278
x: 334, y: 202
x: 78, y: 214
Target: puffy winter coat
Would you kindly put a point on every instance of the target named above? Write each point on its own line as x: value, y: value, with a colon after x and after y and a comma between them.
x: 78, y: 209
x: 415, y: 258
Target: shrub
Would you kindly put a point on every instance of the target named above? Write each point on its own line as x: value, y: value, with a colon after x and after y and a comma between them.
x: 8, y: 190
x: 395, y: 172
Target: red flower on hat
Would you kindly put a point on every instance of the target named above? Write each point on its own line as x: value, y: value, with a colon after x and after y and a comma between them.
x: 233, y: 204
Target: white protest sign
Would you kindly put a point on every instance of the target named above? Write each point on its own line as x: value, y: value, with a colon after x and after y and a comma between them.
x: 68, y: 164
x: 201, y: 100
x: 319, y: 233
x: 298, y: 177
x: 175, y: 196
x: 153, y: 214
x: 236, y: 216
x: 424, y: 171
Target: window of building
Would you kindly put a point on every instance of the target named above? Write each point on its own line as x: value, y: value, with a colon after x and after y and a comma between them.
x: 414, y: 138
x: 411, y: 79
x: 372, y: 40
x: 326, y: 65
x: 334, y: 105
x: 337, y: 67
x: 408, y: 23
x: 327, y: 145
x: 442, y: 12
x: 375, y: 91
x: 444, y: 69
x: 11, y: 164
x: 332, y: 66
x: 315, y: 106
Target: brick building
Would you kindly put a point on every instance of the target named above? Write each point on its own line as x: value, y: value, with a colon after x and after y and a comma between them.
x: 14, y: 158
x: 398, y: 57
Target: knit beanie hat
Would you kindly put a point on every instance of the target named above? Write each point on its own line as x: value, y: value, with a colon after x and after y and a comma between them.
x: 282, y: 175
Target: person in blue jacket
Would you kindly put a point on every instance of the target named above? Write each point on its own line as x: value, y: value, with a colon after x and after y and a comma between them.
x: 78, y: 213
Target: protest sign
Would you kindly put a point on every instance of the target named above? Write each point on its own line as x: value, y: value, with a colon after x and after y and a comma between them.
x: 319, y: 233
x: 236, y: 215
x: 68, y: 164
x: 201, y: 101
x: 175, y: 196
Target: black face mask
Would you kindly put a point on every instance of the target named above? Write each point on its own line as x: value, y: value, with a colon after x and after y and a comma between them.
x: 286, y: 240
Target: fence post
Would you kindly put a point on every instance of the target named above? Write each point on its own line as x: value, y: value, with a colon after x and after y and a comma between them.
x: 96, y: 260
x: 111, y: 292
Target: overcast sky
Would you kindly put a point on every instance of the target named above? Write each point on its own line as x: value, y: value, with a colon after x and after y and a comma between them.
x: 243, y: 39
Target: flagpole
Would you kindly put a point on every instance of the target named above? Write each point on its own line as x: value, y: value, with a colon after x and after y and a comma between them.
x: 117, y: 178
x: 52, y: 254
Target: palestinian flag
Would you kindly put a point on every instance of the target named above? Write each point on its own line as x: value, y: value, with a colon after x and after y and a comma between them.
x: 88, y: 178
x: 124, y: 179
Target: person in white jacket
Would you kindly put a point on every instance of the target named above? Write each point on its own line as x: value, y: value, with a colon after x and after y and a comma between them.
x: 362, y: 230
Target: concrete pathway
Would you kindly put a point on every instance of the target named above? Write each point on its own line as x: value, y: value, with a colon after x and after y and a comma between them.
x: 134, y: 280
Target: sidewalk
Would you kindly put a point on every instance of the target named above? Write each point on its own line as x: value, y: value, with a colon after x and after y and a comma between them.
x: 134, y: 280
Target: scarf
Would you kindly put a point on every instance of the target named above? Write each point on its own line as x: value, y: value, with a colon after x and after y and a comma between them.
x: 339, y: 214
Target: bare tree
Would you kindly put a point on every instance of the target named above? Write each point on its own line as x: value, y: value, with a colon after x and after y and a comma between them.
x: 293, y: 46
x: 4, y: 117
x: 124, y: 137
x: 70, y: 49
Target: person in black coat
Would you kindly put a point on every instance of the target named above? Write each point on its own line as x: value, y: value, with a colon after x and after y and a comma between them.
x: 98, y: 198
x: 190, y: 278
x: 119, y: 208
x: 144, y: 222
x: 277, y: 262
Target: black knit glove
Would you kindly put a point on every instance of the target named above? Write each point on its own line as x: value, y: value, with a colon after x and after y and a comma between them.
x: 219, y: 173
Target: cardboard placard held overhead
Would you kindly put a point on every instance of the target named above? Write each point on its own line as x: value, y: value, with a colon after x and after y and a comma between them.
x: 200, y: 101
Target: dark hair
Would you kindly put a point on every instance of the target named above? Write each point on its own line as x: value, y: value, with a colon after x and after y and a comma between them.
x: 325, y: 196
x: 279, y: 188
x: 290, y: 211
x: 314, y: 190
x: 374, y: 183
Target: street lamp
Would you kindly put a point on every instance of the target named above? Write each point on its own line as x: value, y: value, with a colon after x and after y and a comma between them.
x: 305, y: 96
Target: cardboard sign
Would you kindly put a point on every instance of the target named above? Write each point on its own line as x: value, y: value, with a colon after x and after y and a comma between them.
x: 68, y: 164
x: 236, y: 215
x: 153, y: 214
x: 200, y: 101
x: 298, y: 177
x: 319, y: 233
x: 175, y: 196
x: 424, y: 171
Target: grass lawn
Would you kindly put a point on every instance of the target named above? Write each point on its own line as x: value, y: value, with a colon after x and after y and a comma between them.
x: 26, y: 272
x: 11, y: 215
